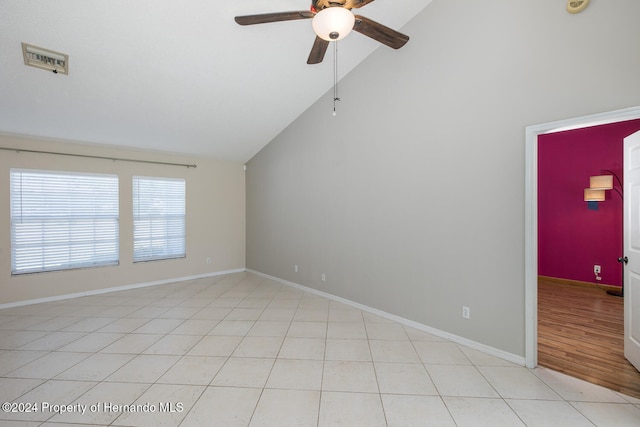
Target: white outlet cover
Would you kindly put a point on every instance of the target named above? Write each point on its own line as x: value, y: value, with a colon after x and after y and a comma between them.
x: 466, y: 312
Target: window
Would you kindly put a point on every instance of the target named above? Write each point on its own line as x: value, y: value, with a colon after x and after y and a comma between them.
x: 62, y: 220
x: 158, y: 218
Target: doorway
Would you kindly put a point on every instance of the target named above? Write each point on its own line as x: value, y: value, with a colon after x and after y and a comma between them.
x: 531, y: 213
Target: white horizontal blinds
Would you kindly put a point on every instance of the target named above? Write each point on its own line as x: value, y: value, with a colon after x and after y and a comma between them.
x: 62, y: 220
x: 158, y: 218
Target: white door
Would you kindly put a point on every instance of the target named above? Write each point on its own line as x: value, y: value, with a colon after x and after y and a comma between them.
x: 632, y: 249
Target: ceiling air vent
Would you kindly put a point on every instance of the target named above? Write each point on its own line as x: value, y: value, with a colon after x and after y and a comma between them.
x: 46, y: 59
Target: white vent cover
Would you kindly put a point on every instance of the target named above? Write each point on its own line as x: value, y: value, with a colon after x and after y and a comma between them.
x: 46, y: 59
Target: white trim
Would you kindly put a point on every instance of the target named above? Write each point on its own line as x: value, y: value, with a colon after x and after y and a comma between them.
x: 531, y: 213
x: 514, y: 358
x: 116, y: 289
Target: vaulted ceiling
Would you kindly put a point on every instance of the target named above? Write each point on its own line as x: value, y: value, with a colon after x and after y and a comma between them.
x: 174, y: 76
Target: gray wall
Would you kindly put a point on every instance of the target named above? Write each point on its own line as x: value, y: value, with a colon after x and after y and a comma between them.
x: 411, y: 199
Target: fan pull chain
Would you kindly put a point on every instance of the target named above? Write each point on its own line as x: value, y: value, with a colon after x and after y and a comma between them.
x: 335, y: 76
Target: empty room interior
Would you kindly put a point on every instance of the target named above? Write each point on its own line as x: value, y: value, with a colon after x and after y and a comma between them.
x: 222, y: 214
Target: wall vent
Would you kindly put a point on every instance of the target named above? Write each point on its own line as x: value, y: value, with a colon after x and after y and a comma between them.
x: 46, y: 59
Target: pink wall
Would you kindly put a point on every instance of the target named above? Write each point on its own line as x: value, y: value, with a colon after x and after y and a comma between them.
x: 572, y: 237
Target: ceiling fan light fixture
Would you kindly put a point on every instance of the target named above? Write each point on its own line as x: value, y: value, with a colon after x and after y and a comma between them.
x: 333, y: 23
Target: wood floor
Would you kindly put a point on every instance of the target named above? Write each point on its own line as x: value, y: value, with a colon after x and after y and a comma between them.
x: 580, y: 333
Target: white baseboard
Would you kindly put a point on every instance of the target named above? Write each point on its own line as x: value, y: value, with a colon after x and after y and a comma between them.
x: 513, y: 358
x: 116, y: 289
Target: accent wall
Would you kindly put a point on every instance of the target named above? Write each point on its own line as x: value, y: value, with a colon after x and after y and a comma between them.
x: 574, y: 235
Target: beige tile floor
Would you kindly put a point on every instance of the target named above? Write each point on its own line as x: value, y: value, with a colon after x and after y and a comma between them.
x: 241, y: 350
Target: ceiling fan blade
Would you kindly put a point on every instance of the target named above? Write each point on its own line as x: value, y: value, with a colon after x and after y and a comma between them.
x: 317, y: 51
x: 273, y: 17
x: 379, y: 32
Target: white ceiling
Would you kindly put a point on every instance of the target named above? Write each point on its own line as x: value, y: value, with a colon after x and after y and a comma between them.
x: 167, y: 75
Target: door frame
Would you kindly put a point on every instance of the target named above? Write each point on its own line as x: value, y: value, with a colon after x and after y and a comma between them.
x: 531, y: 212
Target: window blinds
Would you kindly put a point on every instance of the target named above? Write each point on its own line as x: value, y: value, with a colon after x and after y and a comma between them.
x: 158, y: 218
x: 62, y: 220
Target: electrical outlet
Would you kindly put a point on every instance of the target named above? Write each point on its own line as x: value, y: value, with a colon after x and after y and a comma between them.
x: 466, y: 312
x: 295, y: 268
x: 208, y: 260
x: 597, y: 269
x: 324, y: 278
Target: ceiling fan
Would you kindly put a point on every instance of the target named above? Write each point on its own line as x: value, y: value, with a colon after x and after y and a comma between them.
x: 320, y: 12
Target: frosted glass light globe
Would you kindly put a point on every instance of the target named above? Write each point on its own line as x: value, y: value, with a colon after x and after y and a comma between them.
x: 333, y: 23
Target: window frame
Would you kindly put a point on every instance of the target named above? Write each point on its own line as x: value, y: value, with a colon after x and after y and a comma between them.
x: 170, y: 250
x: 90, y: 218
